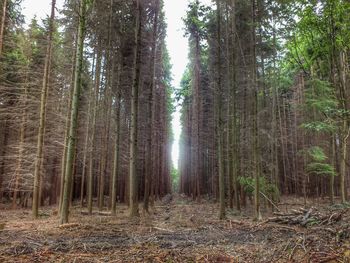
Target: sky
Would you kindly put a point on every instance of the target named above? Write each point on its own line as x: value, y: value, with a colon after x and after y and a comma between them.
x: 40, y: 8
x: 176, y: 42
x: 178, y: 48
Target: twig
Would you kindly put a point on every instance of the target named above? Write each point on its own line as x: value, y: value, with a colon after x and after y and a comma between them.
x: 163, y: 229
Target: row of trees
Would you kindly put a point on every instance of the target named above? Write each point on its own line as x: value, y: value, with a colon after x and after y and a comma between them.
x: 85, y: 106
x: 265, y: 101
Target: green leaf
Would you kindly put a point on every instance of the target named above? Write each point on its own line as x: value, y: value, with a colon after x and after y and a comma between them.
x: 321, y: 169
x: 317, y: 154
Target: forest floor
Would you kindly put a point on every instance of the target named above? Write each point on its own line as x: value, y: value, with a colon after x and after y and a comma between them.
x: 176, y: 231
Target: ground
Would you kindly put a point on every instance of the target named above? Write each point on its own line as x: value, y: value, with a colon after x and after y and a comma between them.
x: 175, y: 231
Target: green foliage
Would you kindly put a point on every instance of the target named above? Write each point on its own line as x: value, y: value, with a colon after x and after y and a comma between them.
x: 175, y: 178
x: 319, y: 96
x: 247, y: 183
x: 322, y: 102
x: 196, y: 19
x: 318, y: 126
x: 16, y: 18
x: 182, y: 94
x: 317, y: 154
x: 321, y: 169
x: 266, y: 187
x: 318, y: 165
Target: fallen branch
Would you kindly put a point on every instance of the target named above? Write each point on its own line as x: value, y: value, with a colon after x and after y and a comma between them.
x: 305, y: 217
x: 163, y: 229
x: 70, y: 225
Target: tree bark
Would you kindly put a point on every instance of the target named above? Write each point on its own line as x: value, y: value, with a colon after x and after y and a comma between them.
x: 222, y: 212
x: 151, y: 117
x: 134, y: 206
x: 2, y: 26
x: 42, y: 122
x: 256, y: 161
x: 116, y: 153
x: 21, y: 143
x: 74, y: 113
x: 345, y: 129
x: 93, y: 127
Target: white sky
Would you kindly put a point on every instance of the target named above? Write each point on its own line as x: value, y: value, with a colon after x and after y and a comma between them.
x: 40, y: 8
x: 178, y: 50
x: 176, y: 42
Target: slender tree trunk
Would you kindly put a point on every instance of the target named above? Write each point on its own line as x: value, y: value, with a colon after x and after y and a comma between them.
x: 101, y: 176
x: 87, y: 139
x: 4, y: 143
x: 230, y: 113
x: 116, y: 154
x: 282, y: 140
x: 86, y: 149
x: 274, y: 150
x: 74, y: 113
x: 256, y: 161
x: 2, y: 26
x: 331, y: 182
x: 151, y: 117
x: 343, y: 156
x: 93, y: 127
x: 42, y: 122
x: 66, y: 133
x: 345, y: 129
x: 104, y: 165
x: 110, y: 83
x: 21, y: 143
x: 222, y: 213
x: 64, y: 155
x: 235, y: 124
x: 233, y: 114
x: 195, y: 116
x: 134, y: 206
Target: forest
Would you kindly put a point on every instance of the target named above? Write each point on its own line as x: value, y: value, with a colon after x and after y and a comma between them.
x: 87, y: 102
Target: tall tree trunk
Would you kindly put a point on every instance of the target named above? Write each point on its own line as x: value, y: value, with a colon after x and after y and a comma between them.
x: 42, y: 122
x: 235, y: 125
x: 195, y: 116
x: 331, y: 182
x: 93, y: 127
x: 256, y: 161
x: 116, y: 151
x: 74, y: 113
x: 233, y: 108
x: 345, y: 129
x: 343, y: 156
x: 66, y: 133
x: 222, y: 212
x: 151, y: 108
x: 2, y: 25
x: 21, y: 142
x: 230, y: 113
x: 86, y: 147
x: 105, y: 139
x: 134, y: 206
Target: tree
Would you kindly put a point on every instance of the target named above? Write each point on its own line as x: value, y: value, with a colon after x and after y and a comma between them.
x: 2, y: 25
x: 44, y: 94
x: 219, y: 112
x: 134, y: 210
x: 74, y: 111
x: 150, y: 141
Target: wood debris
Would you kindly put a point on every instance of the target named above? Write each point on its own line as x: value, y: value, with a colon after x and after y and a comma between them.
x: 306, y: 217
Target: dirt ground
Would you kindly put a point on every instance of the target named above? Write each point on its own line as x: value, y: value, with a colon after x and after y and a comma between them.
x: 176, y: 231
